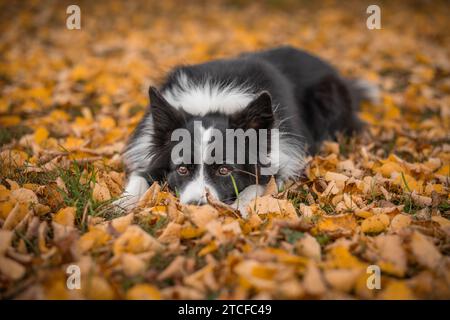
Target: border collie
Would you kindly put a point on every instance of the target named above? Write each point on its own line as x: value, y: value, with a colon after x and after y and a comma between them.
x: 286, y: 90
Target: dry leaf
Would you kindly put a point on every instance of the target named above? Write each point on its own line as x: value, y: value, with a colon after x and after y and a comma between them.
x: 312, y: 281
x: 143, y: 292
x: 424, y: 251
x: 16, y: 215
x: 101, y: 192
x: 344, y: 223
x: 309, y: 247
x: 375, y: 224
x: 135, y: 240
x: 342, y: 279
x: 11, y: 268
x: 66, y: 216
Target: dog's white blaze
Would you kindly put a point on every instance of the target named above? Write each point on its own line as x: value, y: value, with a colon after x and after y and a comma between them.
x: 195, y: 191
x: 207, y: 96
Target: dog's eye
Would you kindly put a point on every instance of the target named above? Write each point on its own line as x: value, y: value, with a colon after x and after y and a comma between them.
x: 182, y: 170
x: 224, y: 171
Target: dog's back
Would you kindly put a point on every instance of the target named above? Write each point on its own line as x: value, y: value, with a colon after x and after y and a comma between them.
x: 314, y: 101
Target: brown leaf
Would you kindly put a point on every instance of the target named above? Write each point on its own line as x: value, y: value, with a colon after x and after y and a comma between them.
x: 424, y: 251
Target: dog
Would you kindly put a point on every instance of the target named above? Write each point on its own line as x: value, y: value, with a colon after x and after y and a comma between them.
x: 284, y: 90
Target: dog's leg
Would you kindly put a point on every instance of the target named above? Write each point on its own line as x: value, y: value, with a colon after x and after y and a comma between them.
x: 134, y: 189
x: 246, y: 196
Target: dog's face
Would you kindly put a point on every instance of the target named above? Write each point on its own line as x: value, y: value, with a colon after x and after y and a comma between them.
x: 214, y: 152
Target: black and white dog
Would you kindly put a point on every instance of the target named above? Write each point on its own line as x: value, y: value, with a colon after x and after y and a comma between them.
x: 282, y: 90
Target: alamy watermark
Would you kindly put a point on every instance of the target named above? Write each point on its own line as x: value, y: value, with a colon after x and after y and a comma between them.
x: 374, y: 280
x: 74, y: 277
x: 73, y: 21
x: 262, y: 147
x: 374, y: 20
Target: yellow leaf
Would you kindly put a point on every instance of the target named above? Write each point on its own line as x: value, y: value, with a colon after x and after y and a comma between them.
x: 135, y: 240
x: 16, y: 215
x: 97, y: 288
x: 411, y: 183
x: 73, y: 144
x: 444, y: 170
x: 339, y: 257
x: 255, y: 274
x: 9, y: 121
x: 399, y: 222
x: 268, y: 204
x: 94, y: 238
x: 107, y: 123
x: 211, y: 247
x: 171, y: 233
x: 388, y: 168
x: 40, y: 135
x: 337, y: 223
x: 65, y: 216
x: 190, y: 232
x: 143, y: 292
x: 397, y: 290
x: 363, y: 213
x: 79, y: 72
x: 101, y: 192
x: 375, y: 224
x: 132, y: 265
x: 121, y: 224
x: 202, y: 215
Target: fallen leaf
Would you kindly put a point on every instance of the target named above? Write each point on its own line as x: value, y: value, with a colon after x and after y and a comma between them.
x: 375, y: 224
x: 20, y: 210
x: 132, y: 265
x: 342, y: 279
x: 66, y: 216
x: 424, y: 251
x: 312, y: 281
x: 344, y: 223
x: 309, y: 247
x: 268, y: 204
x: 397, y: 290
x: 143, y: 292
x: 392, y: 256
x: 202, y: 215
x: 101, y: 193
x: 135, y: 240
x: 11, y: 268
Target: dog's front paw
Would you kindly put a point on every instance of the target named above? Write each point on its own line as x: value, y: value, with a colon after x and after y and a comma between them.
x: 135, y: 188
x: 126, y: 202
x: 246, y: 196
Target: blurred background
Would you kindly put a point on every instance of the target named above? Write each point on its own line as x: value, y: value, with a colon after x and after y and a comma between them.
x: 123, y: 46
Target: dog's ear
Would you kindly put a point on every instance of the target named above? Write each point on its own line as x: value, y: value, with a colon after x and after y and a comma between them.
x: 165, y: 117
x: 257, y: 115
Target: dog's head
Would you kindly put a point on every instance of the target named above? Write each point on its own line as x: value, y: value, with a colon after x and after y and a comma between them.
x: 222, y: 153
